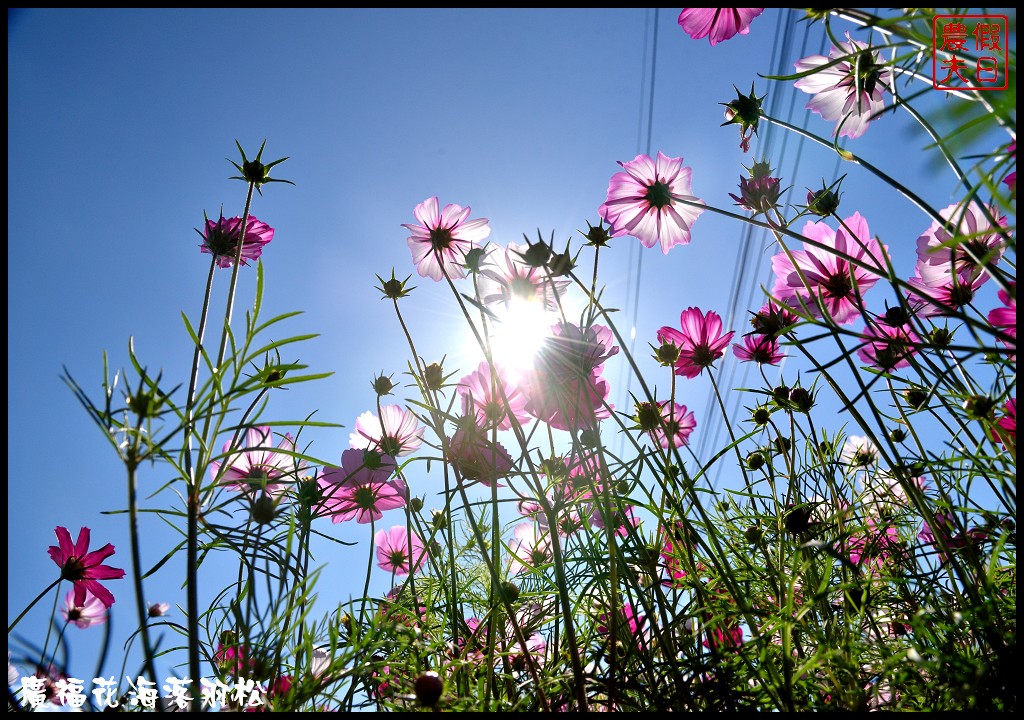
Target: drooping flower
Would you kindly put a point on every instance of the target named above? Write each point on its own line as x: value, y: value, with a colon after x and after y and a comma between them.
x: 362, y: 488
x: 476, y: 457
x: 257, y: 467
x: 717, y: 24
x: 650, y: 202
x: 509, y: 277
x: 484, y: 394
x: 966, y: 252
x: 396, y: 432
x: 849, y: 92
x: 700, y: 340
x: 442, y: 238
x: 220, y: 238
x: 393, y: 550
x: 890, y: 346
x: 84, y: 568
x: 92, y: 612
x: 762, y: 349
x: 820, y: 273
x: 1005, y: 318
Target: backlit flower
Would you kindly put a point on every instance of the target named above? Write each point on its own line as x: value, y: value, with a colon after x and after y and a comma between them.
x: 649, y: 201
x: 717, y: 24
x: 762, y: 349
x: 530, y: 547
x: 396, y: 432
x: 442, y: 238
x: 258, y: 466
x: 820, y: 273
x: 220, y: 238
x: 362, y: 488
x: 668, y: 423
x: 484, y: 394
x: 84, y: 568
x: 508, y: 278
x: 975, y: 243
x: 849, y: 92
x: 1011, y: 179
x: 700, y: 341
x: 476, y: 457
x: 1005, y: 318
x: 92, y: 612
x: 889, y: 347
x: 1007, y: 425
x: 859, y: 452
x: 393, y: 553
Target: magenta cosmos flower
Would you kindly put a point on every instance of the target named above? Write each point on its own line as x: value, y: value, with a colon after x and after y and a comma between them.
x: 259, y: 466
x: 1007, y: 424
x: 529, y: 547
x: 442, y: 238
x: 648, y: 201
x: 849, y: 92
x: 700, y: 341
x: 362, y: 488
x: 91, y: 612
x: 762, y: 349
x: 475, y: 457
x: 1005, y: 318
x: 393, y: 552
x: 717, y: 24
x: 565, y: 388
x: 84, y: 568
x: 396, y: 432
x: 484, y: 394
x: 220, y: 238
x: 1011, y: 180
x: 667, y: 423
x: 823, y: 273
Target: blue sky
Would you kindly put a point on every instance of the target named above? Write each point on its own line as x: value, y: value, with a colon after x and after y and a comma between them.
x: 119, y: 126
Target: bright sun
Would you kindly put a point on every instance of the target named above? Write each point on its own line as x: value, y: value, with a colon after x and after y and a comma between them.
x: 518, y: 334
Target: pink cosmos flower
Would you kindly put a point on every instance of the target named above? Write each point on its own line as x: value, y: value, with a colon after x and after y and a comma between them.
x: 673, y: 423
x: 964, y: 254
x: 945, y: 525
x: 565, y: 388
x: 484, y: 394
x: 717, y: 24
x: 1005, y: 318
x: 442, y: 238
x: 396, y: 432
x: 1007, y: 424
x: 819, y: 273
x: 762, y: 349
x: 220, y: 239
x: 530, y: 547
x: 890, y: 347
x: 648, y: 201
x: 1011, y: 179
x: 873, y: 547
x: 849, y: 92
x: 393, y: 553
x: 92, y: 612
x: 700, y: 342
x: 508, y: 277
x: 82, y: 567
x: 362, y: 488
x: 621, y: 517
x: 476, y: 457
x: 258, y: 466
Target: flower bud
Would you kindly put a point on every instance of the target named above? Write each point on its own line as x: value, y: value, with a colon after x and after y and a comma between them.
x: 823, y: 202
x: 433, y: 376
x: 597, y: 236
x: 383, y: 385
x: 755, y: 460
x: 428, y: 688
